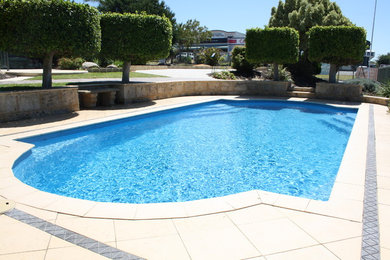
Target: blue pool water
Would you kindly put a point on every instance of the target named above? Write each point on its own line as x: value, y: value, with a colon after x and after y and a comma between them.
x: 195, y: 152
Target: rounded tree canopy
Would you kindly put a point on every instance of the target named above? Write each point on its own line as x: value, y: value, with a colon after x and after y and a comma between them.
x: 272, y: 45
x: 37, y: 28
x: 339, y: 45
x: 130, y: 37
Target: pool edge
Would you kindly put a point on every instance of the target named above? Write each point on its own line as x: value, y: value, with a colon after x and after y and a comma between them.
x: 346, y: 206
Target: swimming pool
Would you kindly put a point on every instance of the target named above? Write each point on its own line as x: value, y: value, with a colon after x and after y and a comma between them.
x: 202, y: 151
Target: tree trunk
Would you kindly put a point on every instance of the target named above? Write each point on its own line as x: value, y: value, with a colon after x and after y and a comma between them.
x: 126, y: 72
x: 46, y: 76
x: 276, y: 72
x: 332, y: 73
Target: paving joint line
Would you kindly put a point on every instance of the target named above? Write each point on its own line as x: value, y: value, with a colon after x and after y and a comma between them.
x: 370, y: 234
x: 71, y: 236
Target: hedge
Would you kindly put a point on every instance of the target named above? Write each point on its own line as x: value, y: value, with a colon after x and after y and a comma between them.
x: 272, y: 45
x: 340, y: 45
x: 337, y: 45
x: 129, y: 37
x: 42, y: 29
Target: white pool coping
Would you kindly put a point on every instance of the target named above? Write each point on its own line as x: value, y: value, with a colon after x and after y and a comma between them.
x: 345, y: 202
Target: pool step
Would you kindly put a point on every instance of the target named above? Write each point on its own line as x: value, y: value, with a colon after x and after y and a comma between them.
x: 302, y: 89
x: 301, y: 94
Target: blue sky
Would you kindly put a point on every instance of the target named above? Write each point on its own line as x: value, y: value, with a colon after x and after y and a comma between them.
x: 240, y: 15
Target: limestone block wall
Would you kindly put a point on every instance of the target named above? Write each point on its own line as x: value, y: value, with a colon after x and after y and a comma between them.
x: 345, y: 92
x: 15, y: 105
x: 376, y: 100
x: 150, y: 91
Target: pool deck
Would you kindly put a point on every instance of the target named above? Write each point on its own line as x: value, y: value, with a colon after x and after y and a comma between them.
x: 253, y: 225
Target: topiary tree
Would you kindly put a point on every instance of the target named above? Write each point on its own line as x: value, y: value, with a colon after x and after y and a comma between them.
x: 337, y: 45
x: 129, y: 37
x: 302, y: 15
x: 272, y: 45
x: 42, y: 29
x: 240, y: 62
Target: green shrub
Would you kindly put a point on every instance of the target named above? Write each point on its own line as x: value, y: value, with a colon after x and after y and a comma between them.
x: 199, y: 58
x: 186, y: 60
x: 240, y: 62
x: 211, y: 56
x: 272, y: 46
x: 135, y: 38
x: 42, y: 29
x: 284, y: 74
x: 368, y: 85
x: 385, y: 90
x: 337, y: 45
x: 70, y: 64
x: 223, y: 75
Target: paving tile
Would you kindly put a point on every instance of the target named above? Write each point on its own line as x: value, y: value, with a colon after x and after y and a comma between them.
x: 112, y: 210
x: 315, y: 252
x: 39, y: 199
x: 98, y: 229
x: 161, y: 210
x: 206, y: 206
x: 243, y: 199
x: 160, y: 248
x: 385, y: 253
x: 6, y: 182
x: 35, y: 255
x: 349, y: 249
x: 348, y: 209
x: 208, y: 222
x: 221, y: 243
x: 257, y: 213
x: 291, y: 202
x: 74, y: 253
x: 384, y: 196
x: 276, y: 236
x: 327, y: 229
x: 71, y: 206
x: 348, y: 191
x: 385, y: 235
x: 137, y: 229
x: 42, y: 214
x: 268, y: 197
x: 19, y: 237
x: 17, y: 190
x: 383, y: 182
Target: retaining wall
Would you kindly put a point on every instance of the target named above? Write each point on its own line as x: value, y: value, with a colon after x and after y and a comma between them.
x: 334, y: 91
x: 149, y: 91
x: 15, y: 105
x: 376, y: 100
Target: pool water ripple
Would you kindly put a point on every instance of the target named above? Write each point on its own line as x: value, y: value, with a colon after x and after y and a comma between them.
x: 196, y: 152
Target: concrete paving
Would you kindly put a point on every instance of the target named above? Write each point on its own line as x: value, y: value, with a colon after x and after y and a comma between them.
x: 261, y: 232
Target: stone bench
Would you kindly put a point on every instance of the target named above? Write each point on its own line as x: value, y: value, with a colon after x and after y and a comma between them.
x: 91, y: 97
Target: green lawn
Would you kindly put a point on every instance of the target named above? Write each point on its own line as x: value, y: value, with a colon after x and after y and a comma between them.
x: 99, y: 75
x: 341, y: 77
